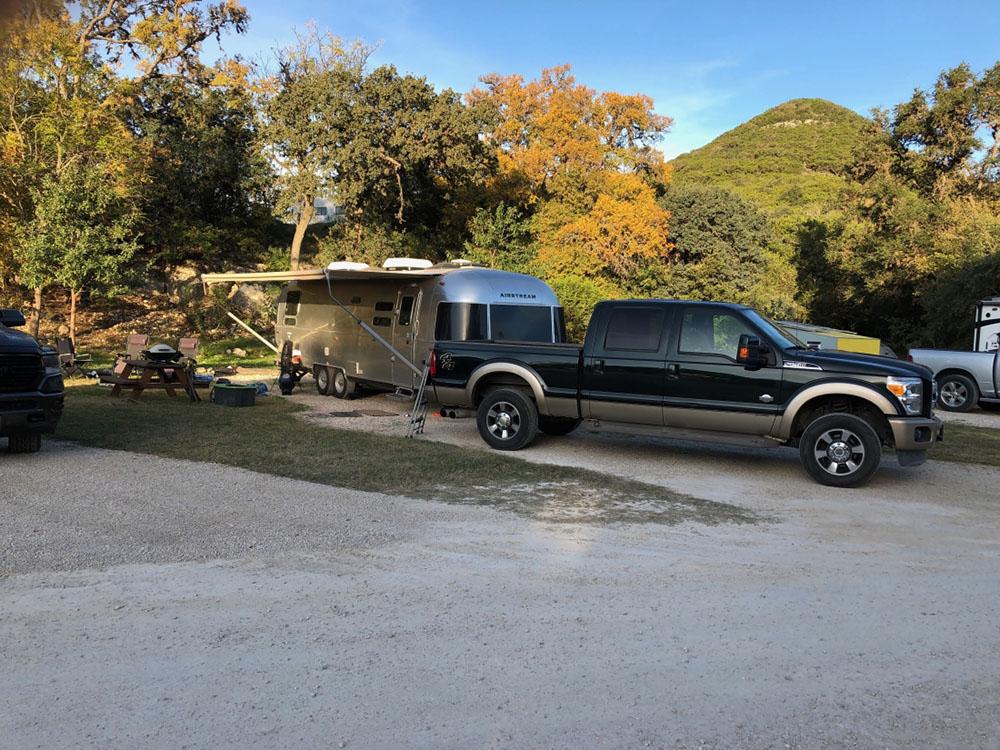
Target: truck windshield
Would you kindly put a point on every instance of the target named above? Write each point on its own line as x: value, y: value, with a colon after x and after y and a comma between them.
x: 460, y: 321
x: 520, y: 323
x: 779, y: 335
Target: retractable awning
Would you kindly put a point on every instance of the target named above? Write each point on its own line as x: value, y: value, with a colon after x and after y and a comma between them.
x: 317, y: 274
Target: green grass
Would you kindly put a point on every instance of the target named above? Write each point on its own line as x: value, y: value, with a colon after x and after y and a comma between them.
x: 968, y: 445
x: 270, y: 438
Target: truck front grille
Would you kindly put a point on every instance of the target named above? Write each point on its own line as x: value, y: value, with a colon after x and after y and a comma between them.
x: 20, y: 372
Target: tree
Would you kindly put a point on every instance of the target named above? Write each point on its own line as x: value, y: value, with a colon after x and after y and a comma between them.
x: 305, y: 106
x: 583, y: 165
x: 723, y: 249
x: 394, y: 154
x: 501, y: 238
x: 82, y: 234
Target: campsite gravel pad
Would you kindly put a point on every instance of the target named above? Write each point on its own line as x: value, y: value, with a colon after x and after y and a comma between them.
x: 331, y: 414
x: 378, y: 413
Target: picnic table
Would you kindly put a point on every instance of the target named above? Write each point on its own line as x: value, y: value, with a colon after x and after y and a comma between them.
x: 140, y: 374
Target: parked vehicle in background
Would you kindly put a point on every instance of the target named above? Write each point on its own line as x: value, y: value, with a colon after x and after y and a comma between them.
x: 965, y: 379
x: 704, y: 370
x: 31, y: 386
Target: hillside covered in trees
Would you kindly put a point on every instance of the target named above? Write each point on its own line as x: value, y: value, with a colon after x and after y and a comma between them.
x: 129, y: 163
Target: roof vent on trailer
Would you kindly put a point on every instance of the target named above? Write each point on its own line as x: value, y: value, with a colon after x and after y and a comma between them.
x: 406, y: 264
x: 347, y: 265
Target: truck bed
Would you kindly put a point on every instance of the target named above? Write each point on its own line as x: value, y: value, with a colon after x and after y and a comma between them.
x: 557, y: 365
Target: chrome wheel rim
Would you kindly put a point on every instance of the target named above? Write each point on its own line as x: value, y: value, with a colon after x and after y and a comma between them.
x: 503, y: 420
x: 323, y: 379
x: 839, y: 452
x: 340, y: 382
x: 954, y: 394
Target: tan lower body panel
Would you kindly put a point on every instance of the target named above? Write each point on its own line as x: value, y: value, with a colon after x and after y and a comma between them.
x: 716, y: 420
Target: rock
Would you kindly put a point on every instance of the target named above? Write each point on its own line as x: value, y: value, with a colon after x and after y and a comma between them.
x: 237, y: 352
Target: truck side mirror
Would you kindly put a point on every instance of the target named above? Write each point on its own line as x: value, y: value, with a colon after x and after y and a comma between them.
x: 11, y: 318
x: 751, y: 353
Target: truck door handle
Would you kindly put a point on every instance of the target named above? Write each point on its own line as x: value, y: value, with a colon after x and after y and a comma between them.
x: 673, y: 370
x: 598, y: 365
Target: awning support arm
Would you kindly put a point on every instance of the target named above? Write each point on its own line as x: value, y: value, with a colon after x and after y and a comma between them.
x: 263, y: 340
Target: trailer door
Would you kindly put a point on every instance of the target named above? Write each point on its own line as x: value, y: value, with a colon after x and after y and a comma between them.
x: 404, y: 338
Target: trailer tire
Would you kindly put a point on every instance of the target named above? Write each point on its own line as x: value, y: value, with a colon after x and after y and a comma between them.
x: 840, y: 450
x: 507, y: 419
x: 341, y: 385
x: 323, y: 380
x: 957, y: 392
x: 24, y: 442
x: 557, y: 426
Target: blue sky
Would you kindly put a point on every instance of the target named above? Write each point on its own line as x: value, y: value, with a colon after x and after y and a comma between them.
x: 709, y: 65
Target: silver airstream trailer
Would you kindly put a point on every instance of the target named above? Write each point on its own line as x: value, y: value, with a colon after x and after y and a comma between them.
x: 410, y: 304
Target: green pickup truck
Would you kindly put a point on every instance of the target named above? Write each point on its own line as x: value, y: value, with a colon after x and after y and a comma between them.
x: 31, y: 387
x: 702, y: 370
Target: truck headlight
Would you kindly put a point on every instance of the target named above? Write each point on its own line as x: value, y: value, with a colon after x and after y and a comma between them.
x: 908, y: 391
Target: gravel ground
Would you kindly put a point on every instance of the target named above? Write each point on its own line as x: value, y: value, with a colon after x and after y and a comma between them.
x: 163, y: 603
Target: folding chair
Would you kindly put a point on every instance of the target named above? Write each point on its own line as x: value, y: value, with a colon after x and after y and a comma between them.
x: 135, y: 344
x: 69, y: 360
x: 188, y: 347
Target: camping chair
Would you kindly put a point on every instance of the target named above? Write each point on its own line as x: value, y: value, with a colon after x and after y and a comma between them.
x: 135, y: 344
x: 188, y: 347
x: 69, y: 360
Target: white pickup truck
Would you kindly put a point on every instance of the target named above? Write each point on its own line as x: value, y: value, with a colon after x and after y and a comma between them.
x: 967, y: 378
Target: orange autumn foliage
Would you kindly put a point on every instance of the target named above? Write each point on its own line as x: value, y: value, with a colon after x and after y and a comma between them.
x: 584, y: 163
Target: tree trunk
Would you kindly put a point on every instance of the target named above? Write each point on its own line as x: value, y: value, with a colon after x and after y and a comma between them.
x: 305, y: 216
x: 74, y: 294
x: 37, y: 318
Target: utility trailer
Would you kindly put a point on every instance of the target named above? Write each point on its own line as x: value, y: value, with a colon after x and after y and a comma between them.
x: 356, y: 325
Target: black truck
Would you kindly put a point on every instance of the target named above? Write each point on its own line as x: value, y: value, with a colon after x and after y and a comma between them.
x: 31, y: 387
x: 700, y: 369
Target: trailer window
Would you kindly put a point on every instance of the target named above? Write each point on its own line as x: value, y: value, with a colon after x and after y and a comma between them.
x: 384, y: 306
x: 460, y: 321
x: 292, y: 307
x: 560, y: 324
x: 405, y: 311
x: 385, y: 322
x: 520, y: 323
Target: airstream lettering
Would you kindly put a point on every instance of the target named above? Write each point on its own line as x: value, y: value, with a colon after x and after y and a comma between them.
x: 410, y: 305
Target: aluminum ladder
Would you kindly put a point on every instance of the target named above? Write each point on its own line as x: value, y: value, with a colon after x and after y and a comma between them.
x: 418, y: 414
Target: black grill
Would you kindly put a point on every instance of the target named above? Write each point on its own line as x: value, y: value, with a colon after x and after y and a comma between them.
x: 20, y: 372
x: 17, y: 404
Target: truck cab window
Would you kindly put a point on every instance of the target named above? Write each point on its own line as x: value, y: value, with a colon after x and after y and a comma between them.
x: 461, y: 321
x: 712, y: 332
x: 635, y: 329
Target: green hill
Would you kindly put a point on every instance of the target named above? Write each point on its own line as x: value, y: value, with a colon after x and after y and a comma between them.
x: 788, y: 160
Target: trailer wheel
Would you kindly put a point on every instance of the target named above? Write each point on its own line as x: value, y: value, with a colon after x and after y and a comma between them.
x: 557, y: 426
x: 507, y: 419
x: 840, y: 450
x: 24, y: 442
x: 343, y: 386
x: 322, y: 375
x: 957, y: 392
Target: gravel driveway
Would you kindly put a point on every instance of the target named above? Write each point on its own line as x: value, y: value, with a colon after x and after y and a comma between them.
x: 160, y: 603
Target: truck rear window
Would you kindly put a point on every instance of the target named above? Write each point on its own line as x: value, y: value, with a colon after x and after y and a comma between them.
x: 521, y: 323
x: 460, y: 321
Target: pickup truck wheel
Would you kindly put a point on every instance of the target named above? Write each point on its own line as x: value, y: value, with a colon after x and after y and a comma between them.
x: 24, y: 442
x: 557, y: 426
x: 957, y: 392
x: 323, y: 379
x: 840, y: 450
x: 507, y: 419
